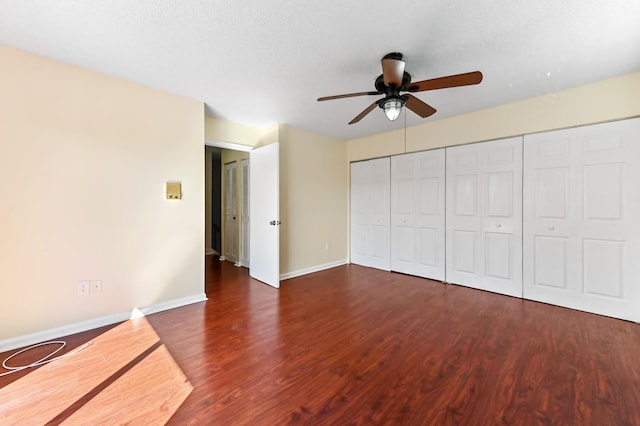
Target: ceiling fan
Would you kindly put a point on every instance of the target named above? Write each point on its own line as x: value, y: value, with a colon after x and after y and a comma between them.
x: 394, y: 79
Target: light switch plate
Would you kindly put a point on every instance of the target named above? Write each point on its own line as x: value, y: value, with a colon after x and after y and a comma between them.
x: 174, y: 191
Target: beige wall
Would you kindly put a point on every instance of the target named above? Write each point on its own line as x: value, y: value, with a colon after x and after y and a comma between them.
x: 220, y: 130
x: 607, y: 100
x: 313, y: 200
x: 84, y: 162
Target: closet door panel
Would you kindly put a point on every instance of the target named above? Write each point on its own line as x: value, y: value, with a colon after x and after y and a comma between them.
x: 429, y: 248
x: 581, y: 210
x: 430, y: 215
x: 484, y: 216
x: 550, y: 254
x: 498, y: 255
x: 359, y: 213
x: 464, y: 251
x: 370, y: 223
x: 379, y: 205
x: 417, y: 214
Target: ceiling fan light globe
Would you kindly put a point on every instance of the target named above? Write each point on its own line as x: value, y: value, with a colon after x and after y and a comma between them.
x: 392, y: 108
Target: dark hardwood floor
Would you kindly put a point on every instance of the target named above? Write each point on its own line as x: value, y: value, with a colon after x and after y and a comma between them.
x: 354, y: 345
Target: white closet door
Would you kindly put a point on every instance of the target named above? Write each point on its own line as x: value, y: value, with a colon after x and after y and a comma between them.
x: 230, y: 213
x: 417, y: 214
x: 359, y: 213
x: 370, y: 223
x: 582, y: 218
x: 484, y: 216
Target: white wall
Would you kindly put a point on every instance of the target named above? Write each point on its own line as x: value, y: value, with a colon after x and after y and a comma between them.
x: 84, y: 161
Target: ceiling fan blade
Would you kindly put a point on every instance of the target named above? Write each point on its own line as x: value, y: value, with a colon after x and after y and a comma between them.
x: 366, y: 111
x: 348, y: 95
x: 416, y: 105
x: 392, y: 71
x: 465, y: 79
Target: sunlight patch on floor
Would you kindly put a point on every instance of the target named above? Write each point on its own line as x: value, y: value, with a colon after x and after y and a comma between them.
x: 125, y: 375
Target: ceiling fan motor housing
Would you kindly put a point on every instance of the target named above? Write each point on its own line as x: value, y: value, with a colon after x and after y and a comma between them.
x: 383, y: 88
x: 393, y: 55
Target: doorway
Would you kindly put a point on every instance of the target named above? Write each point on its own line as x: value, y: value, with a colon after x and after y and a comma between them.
x: 213, y: 201
x: 249, y: 245
x: 226, y: 202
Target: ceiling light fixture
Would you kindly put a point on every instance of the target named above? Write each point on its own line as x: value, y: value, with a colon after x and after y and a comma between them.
x: 392, y: 107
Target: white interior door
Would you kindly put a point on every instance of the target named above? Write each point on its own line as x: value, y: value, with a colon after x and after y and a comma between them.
x: 484, y: 216
x: 244, y: 216
x: 230, y: 213
x: 370, y: 222
x: 264, y: 221
x: 418, y: 214
x: 582, y: 218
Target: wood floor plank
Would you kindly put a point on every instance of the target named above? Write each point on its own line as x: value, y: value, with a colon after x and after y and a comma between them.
x: 353, y: 345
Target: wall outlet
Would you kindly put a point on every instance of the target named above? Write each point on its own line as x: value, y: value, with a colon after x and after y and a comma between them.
x: 83, y: 288
x: 96, y: 286
x: 327, y: 246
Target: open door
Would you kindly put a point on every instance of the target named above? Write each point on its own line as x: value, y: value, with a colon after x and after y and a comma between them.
x: 244, y: 216
x: 264, y: 198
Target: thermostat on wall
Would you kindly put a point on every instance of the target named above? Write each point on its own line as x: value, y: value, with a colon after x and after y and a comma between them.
x: 174, y: 190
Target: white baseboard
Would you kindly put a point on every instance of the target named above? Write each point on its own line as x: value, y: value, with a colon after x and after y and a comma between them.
x: 78, y: 327
x: 175, y: 303
x: 313, y: 269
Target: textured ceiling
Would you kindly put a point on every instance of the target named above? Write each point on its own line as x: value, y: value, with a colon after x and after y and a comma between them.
x: 265, y: 62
